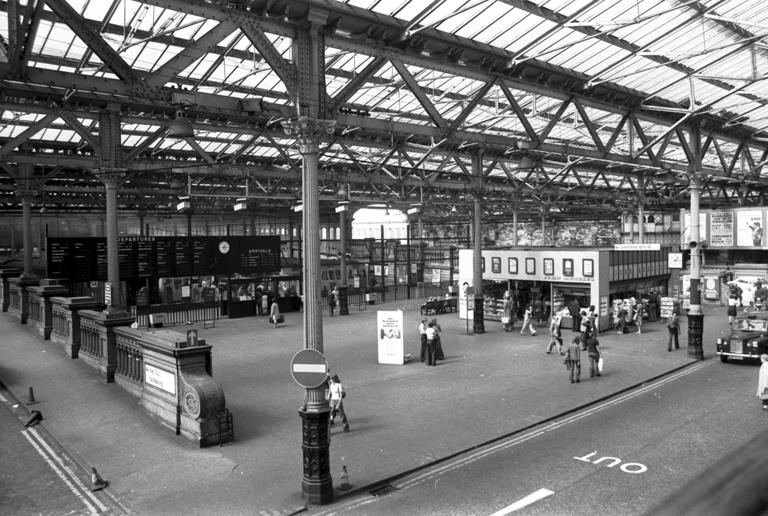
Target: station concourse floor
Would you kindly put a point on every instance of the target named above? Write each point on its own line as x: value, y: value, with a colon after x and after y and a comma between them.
x: 402, y: 417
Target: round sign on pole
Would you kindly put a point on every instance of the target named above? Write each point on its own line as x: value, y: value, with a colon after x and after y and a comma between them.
x: 309, y: 368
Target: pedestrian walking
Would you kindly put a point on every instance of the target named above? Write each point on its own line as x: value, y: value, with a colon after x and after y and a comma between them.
x: 593, y: 352
x: 431, y: 334
x: 733, y: 304
x: 506, y: 314
x: 673, y: 327
x: 439, y: 355
x: 265, y: 304
x: 573, y: 360
x: 332, y: 300
x: 575, y: 309
x: 528, y: 321
x: 762, y: 381
x: 555, y: 335
x: 275, y: 317
x: 423, y: 336
x: 639, y: 312
x: 335, y: 397
x: 593, y: 320
x: 621, y: 316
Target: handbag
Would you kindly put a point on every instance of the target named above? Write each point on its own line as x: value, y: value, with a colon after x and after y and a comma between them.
x: 600, y: 365
x: 504, y: 319
x: 280, y: 318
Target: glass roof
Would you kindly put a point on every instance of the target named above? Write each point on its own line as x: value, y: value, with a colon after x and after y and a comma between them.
x: 669, y: 57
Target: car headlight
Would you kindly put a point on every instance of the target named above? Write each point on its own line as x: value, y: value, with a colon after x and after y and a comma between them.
x: 719, y: 341
x: 753, y: 343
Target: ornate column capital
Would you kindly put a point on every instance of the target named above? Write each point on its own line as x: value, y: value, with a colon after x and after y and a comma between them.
x: 111, y: 177
x: 694, y: 180
x: 308, y: 131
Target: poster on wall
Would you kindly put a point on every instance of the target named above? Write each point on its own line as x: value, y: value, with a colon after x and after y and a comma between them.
x: 390, y: 337
x: 749, y: 228
x: 721, y: 229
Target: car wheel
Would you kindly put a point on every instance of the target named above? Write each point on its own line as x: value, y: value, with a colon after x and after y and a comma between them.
x: 723, y: 358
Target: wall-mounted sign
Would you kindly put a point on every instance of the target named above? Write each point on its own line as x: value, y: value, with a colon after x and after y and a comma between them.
x: 160, y: 378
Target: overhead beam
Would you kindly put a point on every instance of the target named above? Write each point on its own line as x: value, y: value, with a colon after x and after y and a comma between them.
x: 95, y: 42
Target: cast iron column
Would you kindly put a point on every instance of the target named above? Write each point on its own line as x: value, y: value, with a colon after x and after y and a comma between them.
x: 26, y: 229
x: 477, y: 256
x: 695, y: 313
x: 111, y: 180
x: 641, y: 220
x: 344, y: 288
x: 317, y: 484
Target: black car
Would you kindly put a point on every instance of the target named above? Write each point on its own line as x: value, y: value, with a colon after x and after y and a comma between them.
x: 748, y: 337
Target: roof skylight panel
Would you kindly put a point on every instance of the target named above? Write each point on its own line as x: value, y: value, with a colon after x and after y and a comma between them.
x: 95, y: 10
x: 460, y: 17
x: 489, y: 24
x: 528, y: 31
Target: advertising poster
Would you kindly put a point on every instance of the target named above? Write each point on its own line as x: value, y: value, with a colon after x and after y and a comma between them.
x: 390, y: 336
x: 711, y: 287
x: 749, y: 228
x: 721, y: 229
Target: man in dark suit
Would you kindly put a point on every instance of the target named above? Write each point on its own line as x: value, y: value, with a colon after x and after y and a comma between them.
x: 574, y: 309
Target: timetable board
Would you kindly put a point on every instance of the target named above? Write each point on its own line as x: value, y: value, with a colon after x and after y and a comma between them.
x: 85, y: 258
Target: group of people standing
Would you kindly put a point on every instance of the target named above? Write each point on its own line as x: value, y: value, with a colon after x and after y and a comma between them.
x: 586, y: 341
x: 431, y: 345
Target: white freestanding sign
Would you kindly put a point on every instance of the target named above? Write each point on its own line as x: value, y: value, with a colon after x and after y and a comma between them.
x: 389, y: 333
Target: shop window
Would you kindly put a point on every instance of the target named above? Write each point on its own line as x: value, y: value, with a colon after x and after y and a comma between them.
x: 567, y: 266
x: 587, y: 267
x: 549, y: 266
x: 496, y: 265
x: 530, y: 265
x: 512, y: 265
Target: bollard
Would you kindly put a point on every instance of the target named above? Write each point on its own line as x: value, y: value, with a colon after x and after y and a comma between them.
x: 345, y: 485
x: 97, y: 483
x: 31, y: 398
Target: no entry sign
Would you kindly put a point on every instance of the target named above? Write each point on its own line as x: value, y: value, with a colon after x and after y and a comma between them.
x: 309, y: 368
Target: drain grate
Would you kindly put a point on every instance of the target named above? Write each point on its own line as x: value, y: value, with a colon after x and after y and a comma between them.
x: 382, y: 490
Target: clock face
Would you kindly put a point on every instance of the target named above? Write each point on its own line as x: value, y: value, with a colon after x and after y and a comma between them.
x: 223, y: 247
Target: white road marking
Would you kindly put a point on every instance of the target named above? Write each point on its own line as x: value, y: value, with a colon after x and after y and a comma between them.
x: 60, y: 473
x: 60, y: 465
x: 519, y: 439
x: 528, y: 500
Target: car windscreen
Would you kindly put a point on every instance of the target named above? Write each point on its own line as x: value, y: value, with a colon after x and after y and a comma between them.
x: 750, y: 324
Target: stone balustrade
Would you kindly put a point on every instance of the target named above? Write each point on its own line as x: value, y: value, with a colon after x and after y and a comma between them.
x: 19, y: 296
x: 97, y: 340
x: 65, y: 324
x: 5, y: 292
x: 171, y: 374
x: 40, y: 308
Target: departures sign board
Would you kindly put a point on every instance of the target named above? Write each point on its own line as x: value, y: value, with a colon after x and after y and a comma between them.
x: 85, y: 258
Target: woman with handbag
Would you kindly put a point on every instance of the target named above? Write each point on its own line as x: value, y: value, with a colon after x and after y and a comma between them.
x: 762, y: 381
x: 275, y: 316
